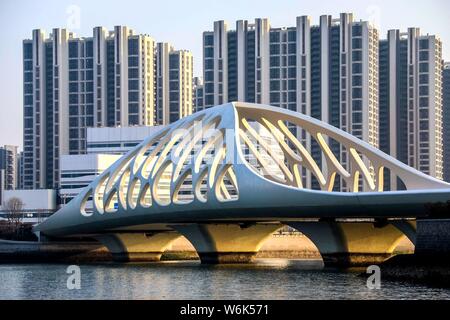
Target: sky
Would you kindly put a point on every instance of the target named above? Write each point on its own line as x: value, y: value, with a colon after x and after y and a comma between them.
x: 181, y: 22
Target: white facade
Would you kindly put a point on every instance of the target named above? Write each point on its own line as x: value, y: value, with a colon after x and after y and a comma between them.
x: 117, y: 140
x: 78, y: 171
x: 104, y: 147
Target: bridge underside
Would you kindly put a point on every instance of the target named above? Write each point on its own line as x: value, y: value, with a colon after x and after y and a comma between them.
x: 342, y: 244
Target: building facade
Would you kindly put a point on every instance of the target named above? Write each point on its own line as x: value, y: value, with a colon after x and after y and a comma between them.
x: 104, y: 147
x: 9, y: 166
x: 78, y: 171
x: 446, y: 121
x: 73, y: 83
x: 411, y: 112
x: 328, y: 71
x: 117, y: 140
x: 197, y: 94
x: 174, y: 85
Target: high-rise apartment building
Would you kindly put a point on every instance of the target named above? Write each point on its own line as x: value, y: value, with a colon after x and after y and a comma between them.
x: 446, y: 121
x: 174, y: 76
x: 197, y: 94
x: 411, y: 115
x: 73, y: 83
x: 328, y: 71
x: 9, y: 166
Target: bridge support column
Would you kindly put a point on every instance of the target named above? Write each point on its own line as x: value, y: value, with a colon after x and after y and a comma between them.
x: 346, y: 244
x: 137, y: 247
x: 227, y: 243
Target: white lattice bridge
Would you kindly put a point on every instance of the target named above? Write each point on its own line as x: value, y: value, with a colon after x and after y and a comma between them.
x: 245, y: 163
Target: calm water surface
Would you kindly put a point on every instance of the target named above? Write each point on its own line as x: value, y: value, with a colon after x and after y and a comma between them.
x: 266, y: 279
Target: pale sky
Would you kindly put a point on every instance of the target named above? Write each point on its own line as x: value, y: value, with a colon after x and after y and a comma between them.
x: 181, y: 22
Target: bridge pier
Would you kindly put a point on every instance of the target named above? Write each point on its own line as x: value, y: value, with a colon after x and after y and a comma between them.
x: 137, y: 247
x: 348, y: 244
x: 227, y: 243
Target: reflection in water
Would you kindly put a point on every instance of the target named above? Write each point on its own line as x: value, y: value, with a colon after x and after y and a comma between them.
x: 266, y: 279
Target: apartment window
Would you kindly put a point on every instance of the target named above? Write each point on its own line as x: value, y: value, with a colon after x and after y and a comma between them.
x: 357, y: 55
x: 209, y: 76
x: 292, y: 36
x: 357, y: 68
x: 423, y: 90
x: 424, y: 44
x: 73, y: 98
x: 209, y: 40
x: 133, y: 61
x: 275, y: 73
x: 292, y: 48
x: 357, y: 31
x: 274, y: 85
x: 274, y: 97
x: 275, y: 61
x: 357, y: 81
x: 357, y: 43
x: 292, y: 84
x: 424, y: 136
x: 209, y: 64
x: 357, y: 105
x: 274, y: 49
x: 133, y: 84
x: 133, y: 46
x: 292, y: 72
x: 28, y: 51
x: 357, y: 117
x: 73, y: 87
x: 423, y: 79
x: 275, y: 36
x: 89, y: 49
x: 424, y: 55
x: 73, y: 122
x: 73, y: 75
x: 133, y: 72
x: 423, y: 113
x: 423, y: 67
x: 209, y: 53
x: 292, y: 60
x: 73, y: 49
x: 423, y: 102
x: 73, y: 64
x: 133, y: 107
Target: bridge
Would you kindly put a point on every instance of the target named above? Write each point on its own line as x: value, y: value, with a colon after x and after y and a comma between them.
x: 228, y: 177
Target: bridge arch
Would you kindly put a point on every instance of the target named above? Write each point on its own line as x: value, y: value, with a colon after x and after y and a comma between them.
x: 355, y: 243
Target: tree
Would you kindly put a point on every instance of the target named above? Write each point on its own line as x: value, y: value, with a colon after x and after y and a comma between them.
x: 13, y: 208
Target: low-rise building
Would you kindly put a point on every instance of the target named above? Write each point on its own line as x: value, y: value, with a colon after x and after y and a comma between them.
x: 117, y: 140
x: 78, y: 171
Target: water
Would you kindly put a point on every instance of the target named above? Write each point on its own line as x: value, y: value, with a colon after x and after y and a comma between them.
x: 266, y: 279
